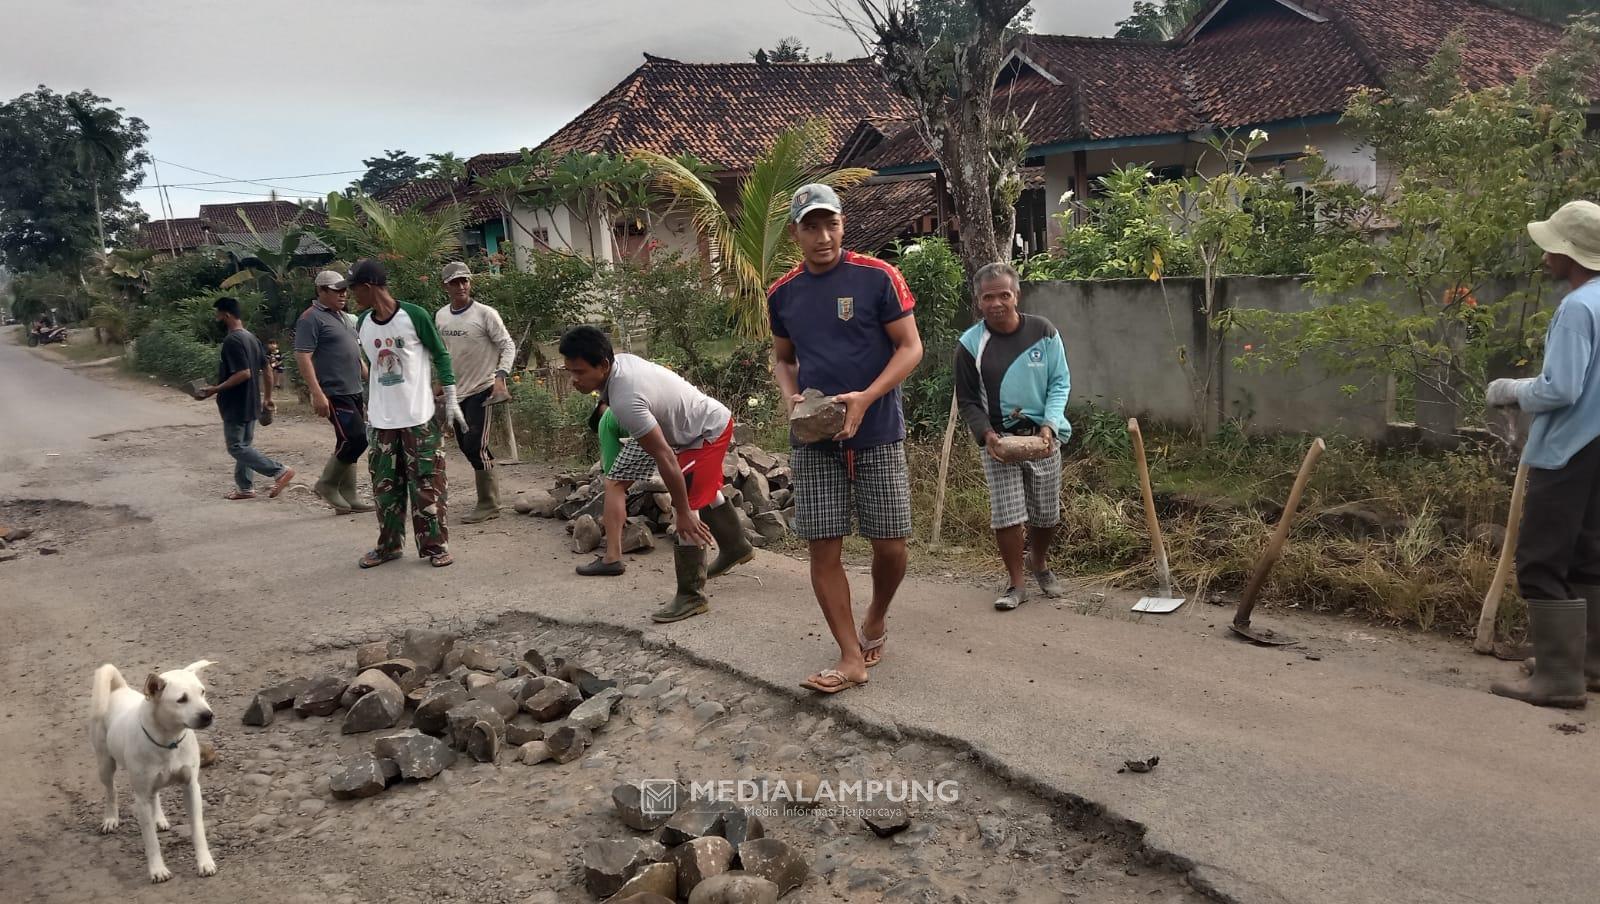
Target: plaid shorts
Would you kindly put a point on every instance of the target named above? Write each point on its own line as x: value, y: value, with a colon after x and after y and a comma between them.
x: 1024, y: 491
x: 633, y: 463
x: 827, y: 498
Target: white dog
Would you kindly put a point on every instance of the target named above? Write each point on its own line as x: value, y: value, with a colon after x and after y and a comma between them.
x: 150, y: 735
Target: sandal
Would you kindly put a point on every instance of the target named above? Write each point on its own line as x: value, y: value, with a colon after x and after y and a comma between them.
x: 377, y: 557
x: 440, y: 560
x: 867, y: 646
x: 240, y: 494
x: 840, y: 682
x: 280, y: 483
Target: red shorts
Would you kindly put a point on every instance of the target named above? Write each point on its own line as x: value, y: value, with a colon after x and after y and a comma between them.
x: 702, y: 469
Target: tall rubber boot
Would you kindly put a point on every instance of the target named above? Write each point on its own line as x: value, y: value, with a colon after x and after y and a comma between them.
x: 328, y: 487
x: 690, y: 563
x: 1591, y: 655
x: 352, y: 496
x: 733, y: 547
x: 1557, y: 631
x: 488, y: 498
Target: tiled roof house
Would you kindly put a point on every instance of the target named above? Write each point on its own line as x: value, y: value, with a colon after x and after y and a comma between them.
x: 1288, y: 68
x: 221, y: 224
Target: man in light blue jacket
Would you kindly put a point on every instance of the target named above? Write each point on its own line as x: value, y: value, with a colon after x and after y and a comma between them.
x: 1012, y: 379
x: 1558, y: 555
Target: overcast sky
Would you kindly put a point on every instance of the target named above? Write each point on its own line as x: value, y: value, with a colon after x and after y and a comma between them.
x: 279, y: 88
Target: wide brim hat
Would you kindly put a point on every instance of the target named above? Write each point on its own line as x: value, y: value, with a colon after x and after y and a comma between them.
x: 1574, y: 231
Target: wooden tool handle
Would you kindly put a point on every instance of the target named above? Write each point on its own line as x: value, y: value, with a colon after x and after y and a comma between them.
x: 1269, y: 556
x: 1484, y: 642
x: 1150, y: 519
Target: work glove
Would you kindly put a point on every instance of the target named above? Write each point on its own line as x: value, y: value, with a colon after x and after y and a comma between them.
x: 1505, y: 393
x: 452, y: 411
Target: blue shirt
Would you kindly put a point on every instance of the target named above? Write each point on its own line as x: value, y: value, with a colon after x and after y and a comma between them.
x: 1005, y: 379
x: 1565, y: 397
x: 838, y: 323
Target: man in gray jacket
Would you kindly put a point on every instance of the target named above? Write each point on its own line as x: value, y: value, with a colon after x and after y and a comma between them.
x: 483, y: 353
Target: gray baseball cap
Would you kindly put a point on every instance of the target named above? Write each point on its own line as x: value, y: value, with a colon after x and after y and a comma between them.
x: 456, y: 270
x: 815, y: 196
x: 330, y: 279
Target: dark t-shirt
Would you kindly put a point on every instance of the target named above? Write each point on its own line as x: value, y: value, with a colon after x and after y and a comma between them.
x: 335, y: 350
x: 838, y: 323
x: 241, y: 351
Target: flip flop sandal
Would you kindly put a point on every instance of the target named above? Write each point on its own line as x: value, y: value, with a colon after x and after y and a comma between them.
x: 281, y: 482
x: 867, y: 646
x: 440, y: 560
x: 240, y: 494
x: 377, y: 557
x: 842, y: 683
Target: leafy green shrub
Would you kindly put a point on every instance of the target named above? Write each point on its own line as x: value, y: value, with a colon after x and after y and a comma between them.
x: 169, y: 351
x: 944, y: 310
x: 185, y: 276
x: 537, y: 304
x: 555, y: 430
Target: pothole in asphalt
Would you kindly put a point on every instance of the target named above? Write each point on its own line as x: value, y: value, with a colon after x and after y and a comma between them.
x: 48, y: 526
x: 509, y: 831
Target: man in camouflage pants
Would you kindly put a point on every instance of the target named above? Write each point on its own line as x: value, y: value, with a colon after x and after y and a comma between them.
x: 405, y: 355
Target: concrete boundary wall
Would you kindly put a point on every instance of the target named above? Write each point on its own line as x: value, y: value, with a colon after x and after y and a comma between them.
x: 1123, y: 339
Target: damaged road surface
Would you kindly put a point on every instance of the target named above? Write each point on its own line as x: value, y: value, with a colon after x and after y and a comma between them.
x: 1379, y: 772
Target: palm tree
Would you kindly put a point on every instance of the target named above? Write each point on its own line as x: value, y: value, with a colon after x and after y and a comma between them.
x: 97, y: 146
x: 362, y: 226
x: 750, y: 245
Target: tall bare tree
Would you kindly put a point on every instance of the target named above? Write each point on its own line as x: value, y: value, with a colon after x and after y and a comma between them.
x: 944, y: 56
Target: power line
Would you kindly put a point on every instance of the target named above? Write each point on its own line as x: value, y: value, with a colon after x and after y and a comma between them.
x: 296, y: 192
x: 258, y: 181
x: 227, y: 179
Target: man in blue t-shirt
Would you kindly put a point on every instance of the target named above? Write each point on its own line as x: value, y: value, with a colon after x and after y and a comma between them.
x: 842, y: 324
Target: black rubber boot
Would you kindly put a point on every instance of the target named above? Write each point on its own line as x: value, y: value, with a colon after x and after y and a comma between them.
x: 733, y: 547
x: 329, y: 487
x: 1557, y: 630
x: 690, y: 563
x: 1591, y: 656
x: 352, y: 496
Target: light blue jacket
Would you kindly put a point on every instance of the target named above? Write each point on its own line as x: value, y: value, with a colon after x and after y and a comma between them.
x: 999, y: 377
x: 1565, y: 397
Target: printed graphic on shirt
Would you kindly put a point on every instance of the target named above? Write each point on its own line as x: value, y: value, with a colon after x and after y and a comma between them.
x: 847, y: 308
x: 391, y: 370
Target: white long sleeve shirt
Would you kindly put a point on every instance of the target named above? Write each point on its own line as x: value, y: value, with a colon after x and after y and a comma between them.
x: 479, y: 345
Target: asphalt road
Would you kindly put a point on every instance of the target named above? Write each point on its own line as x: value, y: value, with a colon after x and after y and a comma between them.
x: 1380, y: 771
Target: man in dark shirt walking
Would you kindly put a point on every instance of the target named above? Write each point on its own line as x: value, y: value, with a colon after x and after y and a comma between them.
x: 329, y: 356
x: 242, y: 389
x: 842, y: 324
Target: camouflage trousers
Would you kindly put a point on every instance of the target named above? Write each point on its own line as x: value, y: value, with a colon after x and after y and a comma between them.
x: 409, y: 464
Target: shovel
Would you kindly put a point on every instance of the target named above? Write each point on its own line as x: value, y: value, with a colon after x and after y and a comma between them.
x: 1166, y: 602
x: 1269, y: 557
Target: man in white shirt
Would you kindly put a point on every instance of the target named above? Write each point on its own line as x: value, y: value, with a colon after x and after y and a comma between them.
x: 405, y: 355
x: 687, y: 434
x: 482, y: 353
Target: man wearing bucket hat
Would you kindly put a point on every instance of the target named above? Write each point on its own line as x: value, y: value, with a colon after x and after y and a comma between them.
x: 1558, y: 555
x: 842, y: 324
x: 329, y: 357
x: 482, y: 352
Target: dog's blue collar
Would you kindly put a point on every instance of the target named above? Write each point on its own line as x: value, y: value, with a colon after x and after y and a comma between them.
x: 172, y: 746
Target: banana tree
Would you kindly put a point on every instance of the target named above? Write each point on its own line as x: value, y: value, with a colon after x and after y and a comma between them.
x: 750, y: 244
x: 361, y: 227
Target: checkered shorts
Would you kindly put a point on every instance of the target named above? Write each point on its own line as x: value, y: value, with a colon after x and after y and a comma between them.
x: 632, y: 463
x: 1024, y: 491
x: 878, y: 499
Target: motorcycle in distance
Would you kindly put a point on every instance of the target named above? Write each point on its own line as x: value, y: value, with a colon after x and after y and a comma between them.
x: 45, y: 331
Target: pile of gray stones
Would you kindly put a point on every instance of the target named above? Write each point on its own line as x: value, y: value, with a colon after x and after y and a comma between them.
x: 757, y: 482
x: 439, y: 699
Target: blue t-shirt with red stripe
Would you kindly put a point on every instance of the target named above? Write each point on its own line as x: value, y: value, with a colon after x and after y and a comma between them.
x: 838, y: 323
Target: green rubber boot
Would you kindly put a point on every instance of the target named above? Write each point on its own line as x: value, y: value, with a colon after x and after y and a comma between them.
x: 733, y: 548
x: 690, y: 563
x: 328, y: 487
x: 488, y: 498
x: 1557, y: 629
x: 352, y: 496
